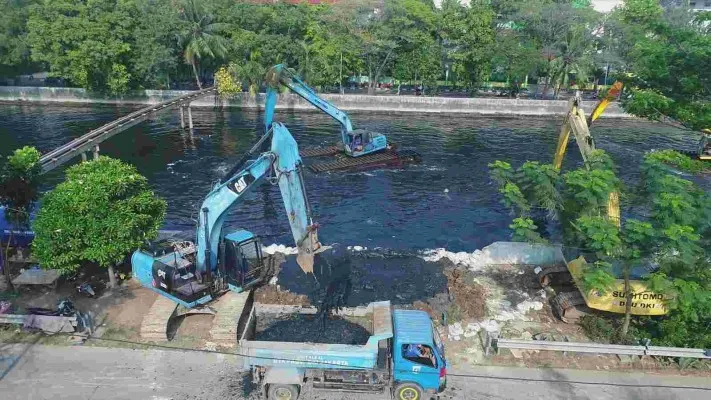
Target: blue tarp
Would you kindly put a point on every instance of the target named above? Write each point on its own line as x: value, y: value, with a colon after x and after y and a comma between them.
x: 20, y: 237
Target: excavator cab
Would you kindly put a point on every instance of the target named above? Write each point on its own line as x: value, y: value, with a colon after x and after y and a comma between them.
x: 243, y: 261
x: 361, y: 142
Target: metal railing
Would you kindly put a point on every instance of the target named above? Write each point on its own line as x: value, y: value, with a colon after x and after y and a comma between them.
x: 89, y: 141
x: 581, y: 347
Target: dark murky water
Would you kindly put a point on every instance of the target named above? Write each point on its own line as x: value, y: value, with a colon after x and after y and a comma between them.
x: 446, y: 201
x: 394, y: 209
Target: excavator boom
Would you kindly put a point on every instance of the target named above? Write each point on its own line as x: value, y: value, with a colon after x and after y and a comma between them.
x: 193, y: 274
x: 284, y: 161
x: 281, y: 75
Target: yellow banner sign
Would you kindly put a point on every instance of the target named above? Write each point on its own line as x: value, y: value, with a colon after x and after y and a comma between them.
x: 644, y: 301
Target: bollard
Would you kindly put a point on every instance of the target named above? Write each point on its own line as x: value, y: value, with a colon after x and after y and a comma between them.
x: 182, y: 119
x: 83, y: 156
x: 190, y: 117
x: 96, y: 152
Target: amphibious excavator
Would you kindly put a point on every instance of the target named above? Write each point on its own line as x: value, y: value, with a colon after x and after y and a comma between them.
x: 358, y: 149
x: 193, y: 274
x: 567, y: 303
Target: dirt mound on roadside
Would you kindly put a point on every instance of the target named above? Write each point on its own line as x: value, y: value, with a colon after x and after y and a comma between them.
x: 465, y: 298
x: 466, y: 294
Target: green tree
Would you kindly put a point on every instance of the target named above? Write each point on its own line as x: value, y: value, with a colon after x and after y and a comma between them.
x: 14, y: 49
x: 527, y: 191
x: 668, y: 62
x: 200, y: 35
x: 99, y: 214
x: 564, y: 33
x: 86, y: 43
x: 155, y: 53
x: 422, y: 64
x: 673, y: 237
x: 514, y: 56
x: 19, y: 179
x: 332, y: 52
x: 468, y: 36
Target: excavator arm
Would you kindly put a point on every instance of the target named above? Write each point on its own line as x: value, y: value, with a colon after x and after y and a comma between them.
x: 281, y: 75
x: 576, y: 123
x: 282, y: 164
x: 356, y: 143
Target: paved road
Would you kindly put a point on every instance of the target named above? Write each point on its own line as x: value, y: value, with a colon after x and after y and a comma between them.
x: 44, y: 372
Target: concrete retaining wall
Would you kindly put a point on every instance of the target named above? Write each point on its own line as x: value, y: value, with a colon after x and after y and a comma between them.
x: 420, y: 104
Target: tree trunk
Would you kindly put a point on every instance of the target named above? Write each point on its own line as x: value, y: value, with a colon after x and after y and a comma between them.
x: 628, y: 305
x: 340, y: 76
x: 6, y: 263
x: 197, y: 77
x: 112, y: 277
x: 563, y: 75
x: 371, y: 87
x: 545, y: 82
x: 545, y: 87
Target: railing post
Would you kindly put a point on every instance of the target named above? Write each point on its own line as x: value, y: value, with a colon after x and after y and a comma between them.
x: 190, y: 117
x: 83, y: 156
x: 182, y: 118
x: 96, y: 152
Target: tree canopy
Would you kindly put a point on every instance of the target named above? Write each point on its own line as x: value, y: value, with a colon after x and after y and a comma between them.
x: 670, y: 235
x: 117, y: 45
x: 99, y: 214
x: 667, y: 53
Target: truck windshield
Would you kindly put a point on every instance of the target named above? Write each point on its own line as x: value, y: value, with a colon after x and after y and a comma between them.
x: 438, y: 342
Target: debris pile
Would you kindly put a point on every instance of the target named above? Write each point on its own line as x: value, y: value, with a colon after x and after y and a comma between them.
x: 304, y: 328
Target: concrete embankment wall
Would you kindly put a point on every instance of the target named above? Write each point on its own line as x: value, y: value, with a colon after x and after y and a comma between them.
x: 420, y: 104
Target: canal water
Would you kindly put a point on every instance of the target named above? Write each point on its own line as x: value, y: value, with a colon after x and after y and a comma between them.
x: 447, y: 201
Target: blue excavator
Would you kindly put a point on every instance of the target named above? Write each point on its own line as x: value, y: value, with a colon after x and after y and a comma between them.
x: 359, y: 148
x: 193, y: 274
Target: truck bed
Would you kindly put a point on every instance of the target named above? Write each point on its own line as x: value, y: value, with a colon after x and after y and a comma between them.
x: 309, y: 354
x: 303, y: 328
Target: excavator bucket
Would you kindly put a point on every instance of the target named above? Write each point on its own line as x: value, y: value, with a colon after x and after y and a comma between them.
x: 287, y: 169
x: 602, y: 104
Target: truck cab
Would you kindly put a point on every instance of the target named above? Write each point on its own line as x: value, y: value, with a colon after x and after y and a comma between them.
x: 419, y: 363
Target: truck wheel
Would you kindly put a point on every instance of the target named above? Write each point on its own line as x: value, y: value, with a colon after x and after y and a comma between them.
x: 283, y: 392
x: 408, y: 391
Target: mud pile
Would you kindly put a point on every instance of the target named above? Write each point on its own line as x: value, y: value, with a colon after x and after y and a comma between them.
x: 310, y: 329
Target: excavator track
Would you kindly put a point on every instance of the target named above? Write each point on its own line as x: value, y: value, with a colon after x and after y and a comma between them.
x: 568, y: 306
x: 550, y: 274
x: 385, y: 158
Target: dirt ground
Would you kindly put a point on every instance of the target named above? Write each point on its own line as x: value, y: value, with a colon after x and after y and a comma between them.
x: 118, y: 315
x: 465, y: 299
x: 273, y: 294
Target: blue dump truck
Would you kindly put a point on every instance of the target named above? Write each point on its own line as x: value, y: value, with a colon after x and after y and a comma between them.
x: 403, y: 356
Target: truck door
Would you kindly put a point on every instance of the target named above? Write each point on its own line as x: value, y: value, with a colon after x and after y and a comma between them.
x: 418, y: 363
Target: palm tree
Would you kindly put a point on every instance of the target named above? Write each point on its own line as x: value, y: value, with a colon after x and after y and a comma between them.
x: 200, y: 36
